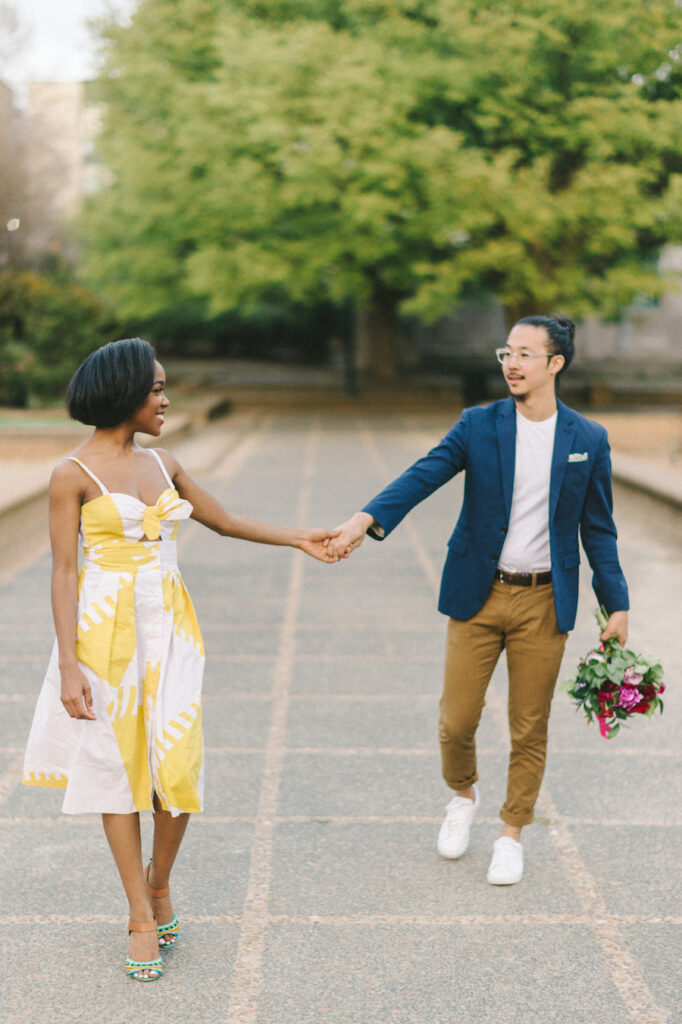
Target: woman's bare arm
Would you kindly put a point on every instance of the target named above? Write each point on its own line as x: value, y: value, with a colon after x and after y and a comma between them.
x: 209, y: 512
x: 65, y: 507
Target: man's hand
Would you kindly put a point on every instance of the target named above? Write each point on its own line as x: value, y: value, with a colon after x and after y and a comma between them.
x: 350, y: 535
x: 316, y: 544
x: 617, y: 626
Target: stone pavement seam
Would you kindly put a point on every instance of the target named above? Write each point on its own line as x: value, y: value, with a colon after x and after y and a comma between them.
x: 421, y: 920
x: 247, y: 972
x: 207, y: 820
x: 633, y: 990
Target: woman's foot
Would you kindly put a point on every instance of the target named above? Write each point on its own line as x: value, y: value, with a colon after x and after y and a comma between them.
x: 143, y: 949
x: 162, y: 906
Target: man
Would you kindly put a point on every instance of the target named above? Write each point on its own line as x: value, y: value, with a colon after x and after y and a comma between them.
x: 538, y: 475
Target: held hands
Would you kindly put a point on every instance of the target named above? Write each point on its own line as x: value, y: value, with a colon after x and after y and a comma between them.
x: 316, y: 544
x: 349, y: 535
x: 333, y: 545
x: 617, y: 626
x: 76, y: 694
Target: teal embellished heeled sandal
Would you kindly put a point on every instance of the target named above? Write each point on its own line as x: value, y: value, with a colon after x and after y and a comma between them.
x: 167, y: 933
x: 135, y: 968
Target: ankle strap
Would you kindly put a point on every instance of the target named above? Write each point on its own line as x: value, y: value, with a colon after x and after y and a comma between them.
x: 157, y: 893
x: 141, y: 926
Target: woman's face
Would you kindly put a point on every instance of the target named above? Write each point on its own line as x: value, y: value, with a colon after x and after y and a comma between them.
x: 149, y: 417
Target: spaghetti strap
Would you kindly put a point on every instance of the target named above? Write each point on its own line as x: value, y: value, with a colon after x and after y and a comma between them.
x: 90, y: 473
x: 163, y: 468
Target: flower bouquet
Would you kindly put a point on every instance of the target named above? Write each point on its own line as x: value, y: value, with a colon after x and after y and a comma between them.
x: 612, y: 683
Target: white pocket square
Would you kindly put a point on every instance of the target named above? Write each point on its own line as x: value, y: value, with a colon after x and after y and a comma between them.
x: 577, y: 457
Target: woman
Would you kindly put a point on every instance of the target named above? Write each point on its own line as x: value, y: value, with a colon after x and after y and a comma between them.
x: 118, y: 720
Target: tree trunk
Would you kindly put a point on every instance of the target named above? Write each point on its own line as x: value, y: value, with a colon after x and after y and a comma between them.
x: 517, y: 311
x: 376, y: 341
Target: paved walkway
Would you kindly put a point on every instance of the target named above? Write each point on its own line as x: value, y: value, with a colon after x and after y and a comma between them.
x: 310, y: 891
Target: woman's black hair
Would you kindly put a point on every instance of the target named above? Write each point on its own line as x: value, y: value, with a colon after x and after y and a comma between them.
x: 561, y: 331
x: 113, y: 382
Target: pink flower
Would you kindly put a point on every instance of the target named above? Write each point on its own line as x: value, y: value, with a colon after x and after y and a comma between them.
x: 604, y: 729
x: 595, y: 656
x: 661, y: 688
x: 632, y: 678
x: 629, y: 696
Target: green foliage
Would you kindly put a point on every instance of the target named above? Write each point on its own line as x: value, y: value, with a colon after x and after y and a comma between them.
x: 412, y: 152
x: 613, y: 683
x: 48, y: 324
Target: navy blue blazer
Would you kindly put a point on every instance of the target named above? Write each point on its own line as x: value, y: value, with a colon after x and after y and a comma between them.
x: 483, y: 444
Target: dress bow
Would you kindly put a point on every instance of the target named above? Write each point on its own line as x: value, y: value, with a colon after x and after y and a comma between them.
x: 169, y: 506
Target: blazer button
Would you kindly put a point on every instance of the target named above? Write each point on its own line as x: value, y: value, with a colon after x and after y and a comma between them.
x: 494, y: 558
x: 503, y: 530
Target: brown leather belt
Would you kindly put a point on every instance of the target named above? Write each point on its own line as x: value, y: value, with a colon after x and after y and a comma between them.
x: 524, y: 579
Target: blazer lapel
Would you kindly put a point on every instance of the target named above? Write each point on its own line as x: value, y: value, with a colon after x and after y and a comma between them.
x: 506, y: 443
x: 563, y: 439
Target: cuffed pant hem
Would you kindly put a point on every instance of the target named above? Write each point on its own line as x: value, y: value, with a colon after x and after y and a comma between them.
x: 461, y: 783
x: 517, y: 820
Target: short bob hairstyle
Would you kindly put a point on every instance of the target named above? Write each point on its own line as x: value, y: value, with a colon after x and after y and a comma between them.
x: 113, y: 382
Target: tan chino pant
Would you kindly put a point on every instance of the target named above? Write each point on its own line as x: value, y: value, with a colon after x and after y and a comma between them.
x: 521, y: 620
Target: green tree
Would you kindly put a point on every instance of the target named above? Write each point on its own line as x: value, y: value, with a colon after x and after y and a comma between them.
x: 48, y: 324
x: 403, y: 155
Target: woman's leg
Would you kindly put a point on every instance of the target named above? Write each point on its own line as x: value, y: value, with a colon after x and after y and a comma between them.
x: 168, y: 835
x: 123, y: 835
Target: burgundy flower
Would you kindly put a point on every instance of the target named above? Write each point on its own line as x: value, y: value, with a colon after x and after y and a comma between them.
x: 642, y: 708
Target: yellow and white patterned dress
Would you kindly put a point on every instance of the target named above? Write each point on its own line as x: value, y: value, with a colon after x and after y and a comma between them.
x: 139, y: 644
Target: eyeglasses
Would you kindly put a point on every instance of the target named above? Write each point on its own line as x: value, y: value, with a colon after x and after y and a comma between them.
x: 504, y: 355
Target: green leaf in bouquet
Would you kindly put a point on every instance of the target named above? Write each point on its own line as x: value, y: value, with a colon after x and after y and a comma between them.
x: 601, y: 615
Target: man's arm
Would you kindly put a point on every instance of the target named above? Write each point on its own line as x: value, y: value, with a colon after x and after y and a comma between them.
x: 599, y: 538
x: 383, y: 513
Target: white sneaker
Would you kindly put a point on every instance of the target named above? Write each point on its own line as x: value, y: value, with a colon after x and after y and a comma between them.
x: 453, y: 838
x: 506, y: 867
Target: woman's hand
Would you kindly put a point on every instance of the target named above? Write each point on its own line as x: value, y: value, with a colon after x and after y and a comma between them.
x: 76, y: 693
x: 314, y: 543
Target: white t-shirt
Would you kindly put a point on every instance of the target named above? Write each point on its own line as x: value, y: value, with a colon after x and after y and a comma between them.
x: 526, y: 547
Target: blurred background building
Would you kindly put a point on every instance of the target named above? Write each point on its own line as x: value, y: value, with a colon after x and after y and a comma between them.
x: 47, y: 165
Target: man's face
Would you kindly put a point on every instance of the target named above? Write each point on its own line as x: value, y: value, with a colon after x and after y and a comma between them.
x: 530, y: 367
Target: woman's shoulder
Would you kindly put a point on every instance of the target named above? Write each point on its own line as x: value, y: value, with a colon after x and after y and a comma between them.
x: 67, y: 468
x: 169, y: 460
x: 67, y: 477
